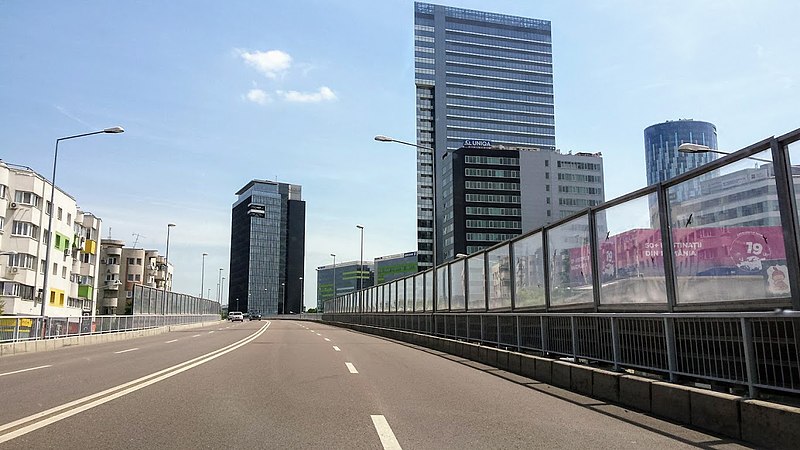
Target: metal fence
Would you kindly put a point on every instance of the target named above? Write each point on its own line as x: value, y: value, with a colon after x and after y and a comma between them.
x: 149, y: 300
x: 24, y: 328
x: 628, y: 282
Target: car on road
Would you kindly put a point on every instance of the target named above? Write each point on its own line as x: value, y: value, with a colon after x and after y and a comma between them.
x: 255, y: 316
x: 236, y: 317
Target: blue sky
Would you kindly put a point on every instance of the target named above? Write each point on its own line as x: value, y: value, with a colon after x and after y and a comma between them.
x: 213, y: 94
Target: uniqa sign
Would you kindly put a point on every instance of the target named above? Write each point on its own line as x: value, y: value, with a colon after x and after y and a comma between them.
x: 477, y: 143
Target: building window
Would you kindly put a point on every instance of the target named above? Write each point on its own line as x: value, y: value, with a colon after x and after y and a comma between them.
x: 42, y: 267
x: 138, y: 261
x: 27, y: 198
x: 112, y: 260
x: 64, y: 272
x: 137, y: 277
x: 130, y: 261
x: 48, y: 207
x: 55, y: 269
x: 69, y: 219
x: 28, y: 229
x: 3, y: 190
x: 60, y: 213
x: 23, y: 260
x: 130, y: 277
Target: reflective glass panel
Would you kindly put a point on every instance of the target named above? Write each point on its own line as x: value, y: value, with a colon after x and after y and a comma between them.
x: 529, y: 272
x: 727, y: 236
x: 631, y: 261
x: 443, y: 296
x: 499, y: 278
x: 401, y: 295
x: 457, y: 285
x: 419, y: 292
x: 476, y: 294
x: 569, y: 256
x: 428, y: 276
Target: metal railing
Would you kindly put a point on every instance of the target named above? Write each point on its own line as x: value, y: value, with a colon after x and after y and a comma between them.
x: 680, y: 279
x: 25, y: 328
x: 752, y: 350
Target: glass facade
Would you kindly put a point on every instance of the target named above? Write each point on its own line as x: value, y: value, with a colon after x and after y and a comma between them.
x: 267, y: 247
x: 664, y: 161
x: 479, y: 75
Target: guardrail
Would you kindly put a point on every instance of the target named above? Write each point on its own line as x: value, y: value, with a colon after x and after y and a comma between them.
x: 752, y: 351
x: 24, y: 328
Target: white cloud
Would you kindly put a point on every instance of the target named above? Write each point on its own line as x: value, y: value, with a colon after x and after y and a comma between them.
x: 323, y: 94
x: 258, y: 96
x: 270, y: 63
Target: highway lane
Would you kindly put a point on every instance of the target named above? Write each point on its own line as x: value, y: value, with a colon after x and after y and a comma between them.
x: 290, y: 388
x: 74, y: 372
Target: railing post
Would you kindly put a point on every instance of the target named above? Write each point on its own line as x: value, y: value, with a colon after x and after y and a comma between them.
x: 672, y: 355
x: 615, y: 348
x: 574, y: 338
x: 749, y: 357
x: 499, y: 342
x: 15, y: 333
x: 545, y: 332
x: 519, y: 335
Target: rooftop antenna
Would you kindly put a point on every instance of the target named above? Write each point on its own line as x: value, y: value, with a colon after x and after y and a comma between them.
x: 137, y: 236
x: 109, y: 232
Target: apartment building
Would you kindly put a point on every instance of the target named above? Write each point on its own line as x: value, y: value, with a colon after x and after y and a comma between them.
x: 122, y: 268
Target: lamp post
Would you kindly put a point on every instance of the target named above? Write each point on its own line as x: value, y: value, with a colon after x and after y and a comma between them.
x: 283, y: 297
x: 219, y: 286
x: 697, y: 148
x: 49, y: 243
x: 203, y: 276
x: 301, y: 292
x: 361, y: 269
x: 381, y: 138
x: 166, y: 258
x: 334, y: 274
x: 221, y: 290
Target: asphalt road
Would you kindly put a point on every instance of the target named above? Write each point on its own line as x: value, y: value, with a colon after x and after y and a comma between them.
x: 293, y: 384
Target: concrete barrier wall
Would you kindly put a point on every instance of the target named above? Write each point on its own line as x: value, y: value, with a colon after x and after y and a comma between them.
x: 764, y: 424
x: 43, y: 345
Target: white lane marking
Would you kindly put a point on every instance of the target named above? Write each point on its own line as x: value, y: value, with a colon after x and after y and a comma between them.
x: 220, y: 329
x: 210, y: 331
x: 170, y: 342
x: 128, y: 350
x: 337, y: 348
x: 116, y: 392
x: 385, y: 433
x: 25, y: 370
x: 196, y: 335
x: 311, y: 331
x: 319, y: 334
x: 351, y: 367
x: 328, y: 340
x: 227, y: 328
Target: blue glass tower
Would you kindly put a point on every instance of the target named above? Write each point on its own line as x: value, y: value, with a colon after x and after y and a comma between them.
x: 661, y: 142
x: 481, y: 76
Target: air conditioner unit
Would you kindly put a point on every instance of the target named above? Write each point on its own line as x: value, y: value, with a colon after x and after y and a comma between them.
x: 13, y: 205
x: 67, y: 252
x: 13, y: 269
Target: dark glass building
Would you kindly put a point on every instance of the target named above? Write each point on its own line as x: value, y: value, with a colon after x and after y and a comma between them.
x: 267, y: 248
x: 343, y: 278
x: 662, y: 158
x: 478, y: 76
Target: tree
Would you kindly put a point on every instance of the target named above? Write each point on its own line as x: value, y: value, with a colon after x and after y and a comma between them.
x: 311, y: 310
x: 2, y: 307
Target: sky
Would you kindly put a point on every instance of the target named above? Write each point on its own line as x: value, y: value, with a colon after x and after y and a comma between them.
x: 214, y: 94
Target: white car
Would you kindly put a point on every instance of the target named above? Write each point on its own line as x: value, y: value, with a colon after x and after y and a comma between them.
x: 236, y: 317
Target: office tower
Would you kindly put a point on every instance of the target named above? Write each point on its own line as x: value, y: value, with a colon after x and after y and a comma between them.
x: 664, y: 161
x: 267, y: 248
x: 495, y: 200
x: 343, y: 278
x: 478, y: 76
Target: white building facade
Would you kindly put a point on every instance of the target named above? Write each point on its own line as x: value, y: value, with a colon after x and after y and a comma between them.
x: 73, y: 271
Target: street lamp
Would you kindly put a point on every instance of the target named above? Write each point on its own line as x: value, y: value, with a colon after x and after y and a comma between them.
x: 219, y: 286
x: 301, y: 292
x: 45, y: 287
x: 334, y: 274
x: 381, y: 138
x: 361, y: 269
x: 203, y: 276
x: 697, y: 148
x: 166, y: 258
x: 221, y: 290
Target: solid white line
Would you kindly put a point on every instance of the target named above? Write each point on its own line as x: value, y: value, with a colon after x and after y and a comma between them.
x: 351, y: 367
x: 130, y: 386
x: 128, y: 350
x: 337, y: 348
x: 385, y: 433
x: 327, y: 339
x: 25, y: 370
x: 170, y: 342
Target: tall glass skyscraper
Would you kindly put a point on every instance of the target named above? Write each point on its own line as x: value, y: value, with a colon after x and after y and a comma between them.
x: 267, y: 248
x: 479, y: 76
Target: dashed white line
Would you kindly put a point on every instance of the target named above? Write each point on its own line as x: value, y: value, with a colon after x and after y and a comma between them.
x: 385, y: 433
x: 210, y: 331
x: 25, y: 370
x: 196, y: 335
x: 328, y: 340
x: 337, y: 348
x: 170, y: 342
x: 128, y: 350
x: 319, y: 334
x: 351, y: 367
